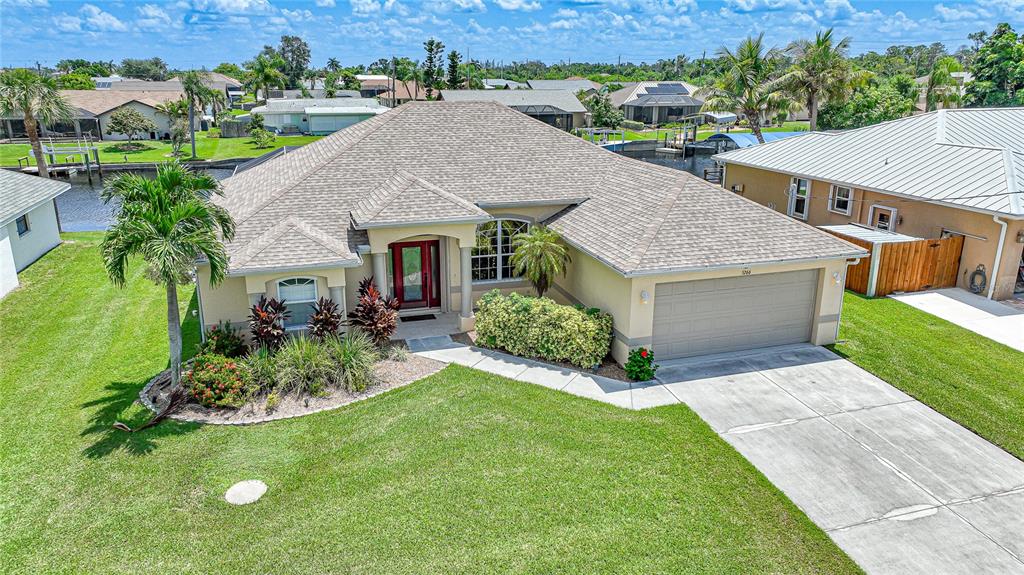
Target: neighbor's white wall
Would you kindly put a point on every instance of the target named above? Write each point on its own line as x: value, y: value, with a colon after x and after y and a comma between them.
x: 8, y: 272
x: 41, y: 237
x: 161, y: 121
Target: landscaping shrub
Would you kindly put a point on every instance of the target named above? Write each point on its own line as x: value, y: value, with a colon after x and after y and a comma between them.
x: 632, y: 125
x: 325, y: 319
x: 640, y: 364
x: 262, y: 370
x: 375, y: 315
x: 355, y: 355
x: 216, y: 381
x: 539, y: 327
x: 222, y: 339
x: 266, y: 322
x: 304, y: 366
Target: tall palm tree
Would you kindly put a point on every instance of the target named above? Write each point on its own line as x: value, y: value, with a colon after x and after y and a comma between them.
x: 169, y: 221
x: 749, y: 85
x: 38, y: 100
x: 539, y: 256
x: 193, y: 83
x: 333, y: 65
x: 942, y: 87
x: 264, y: 72
x: 820, y: 71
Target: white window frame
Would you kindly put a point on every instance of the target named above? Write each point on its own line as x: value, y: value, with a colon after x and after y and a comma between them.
x: 316, y: 296
x: 892, y: 218
x: 28, y: 225
x: 833, y: 196
x: 794, y: 187
x: 498, y: 254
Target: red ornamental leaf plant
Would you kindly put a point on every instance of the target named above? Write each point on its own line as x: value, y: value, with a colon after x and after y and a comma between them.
x: 375, y: 314
x: 266, y: 322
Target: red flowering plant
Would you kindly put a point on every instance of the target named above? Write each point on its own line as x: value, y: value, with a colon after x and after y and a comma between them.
x: 216, y: 381
x: 640, y: 364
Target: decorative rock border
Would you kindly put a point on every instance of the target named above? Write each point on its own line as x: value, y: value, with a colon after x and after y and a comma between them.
x: 145, y: 397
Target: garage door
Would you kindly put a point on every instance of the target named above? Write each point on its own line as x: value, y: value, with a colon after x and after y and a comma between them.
x: 731, y: 314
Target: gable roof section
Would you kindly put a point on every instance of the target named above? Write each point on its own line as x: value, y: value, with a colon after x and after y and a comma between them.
x: 97, y: 102
x: 637, y: 218
x: 20, y: 193
x: 293, y: 241
x: 404, y: 199
x: 521, y: 100
x: 967, y: 158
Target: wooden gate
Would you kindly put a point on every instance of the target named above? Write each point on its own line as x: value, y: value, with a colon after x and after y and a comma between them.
x: 905, y: 266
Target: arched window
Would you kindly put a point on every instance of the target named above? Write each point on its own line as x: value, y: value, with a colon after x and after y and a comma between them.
x: 299, y: 294
x: 492, y: 256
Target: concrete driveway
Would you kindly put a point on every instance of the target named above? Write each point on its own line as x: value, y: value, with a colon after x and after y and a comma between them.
x: 991, y: 319
x: 898, y: 486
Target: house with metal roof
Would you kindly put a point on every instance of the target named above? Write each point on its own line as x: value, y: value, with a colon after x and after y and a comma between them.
x: 934, y: 175
x: 655, y: 103
x: 28, y: 223
x: 559, y: 108
x: 503, y: 84
x: 318, y: 116
x: 427, y: 198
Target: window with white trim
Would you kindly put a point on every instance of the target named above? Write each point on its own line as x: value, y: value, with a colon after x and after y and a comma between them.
x: 299, y: 294
x: 23, y: 227
x: 799, y: 189
x: 840, y: 200
x: 492, y: 256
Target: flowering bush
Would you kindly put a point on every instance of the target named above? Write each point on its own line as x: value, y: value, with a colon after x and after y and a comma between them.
x: 222, y: 339
x: 216, y: 381
x: 640, y: 365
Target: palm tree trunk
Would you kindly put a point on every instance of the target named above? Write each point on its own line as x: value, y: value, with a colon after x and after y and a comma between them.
x: 812, y: 111
x: 37, y: 149
x: 192, y: 125
x: 754, y: 119
x: 174, y: 332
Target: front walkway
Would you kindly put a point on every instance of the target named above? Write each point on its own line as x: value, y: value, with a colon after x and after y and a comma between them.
x: 896, y: 485
x: 994, y: 320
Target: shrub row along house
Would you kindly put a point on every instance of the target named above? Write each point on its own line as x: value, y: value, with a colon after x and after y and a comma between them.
x: 28, y: 223
x: 427, y: 197
x: 944, y: 174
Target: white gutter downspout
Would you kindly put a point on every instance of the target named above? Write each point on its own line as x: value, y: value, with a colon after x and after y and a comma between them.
x: 876, y: 257
x: 999, y: 256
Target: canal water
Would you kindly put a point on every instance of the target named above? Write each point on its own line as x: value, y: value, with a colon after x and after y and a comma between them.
x: 695, y: 164
x: 81, y: 209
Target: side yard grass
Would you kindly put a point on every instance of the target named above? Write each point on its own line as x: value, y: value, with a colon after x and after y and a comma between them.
x: 969, y: 378
x: 463, y: 472
x: 207, y: 148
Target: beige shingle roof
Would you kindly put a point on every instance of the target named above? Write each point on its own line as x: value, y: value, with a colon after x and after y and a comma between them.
x: 97, y: 102
x: 405, y: 199
x: 639, y: 218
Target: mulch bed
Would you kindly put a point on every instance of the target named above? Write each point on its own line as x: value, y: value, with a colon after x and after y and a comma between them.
x: 389, y: 374
x: 608, y: 368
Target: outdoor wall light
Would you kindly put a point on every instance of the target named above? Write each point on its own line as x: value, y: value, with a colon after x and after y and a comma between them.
x: 837, y: 277
x: 645, y: 297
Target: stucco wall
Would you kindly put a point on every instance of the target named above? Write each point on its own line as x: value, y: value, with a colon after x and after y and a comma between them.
x: 42, y: 236
x: 8, y: 271
x: 914, y: 218
x: 161, y: 121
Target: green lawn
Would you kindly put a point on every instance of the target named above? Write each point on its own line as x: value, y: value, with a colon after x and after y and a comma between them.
x: 969, y: 378
x: 463, y: 472
x: 207, y: 148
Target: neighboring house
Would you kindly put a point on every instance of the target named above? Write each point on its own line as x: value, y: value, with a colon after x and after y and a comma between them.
x: 404, y: 92
x: 940, y: 174
x: 28, y: 223
x: 558, y: 108
x: 503, y: 84
x: 373, y: 85
x: 92, y: 111
x: 960, y: 78
x: 655, y: 103
x: 106, y: 82
x: 427, y: 197
x: 573, y: 85
x: 307, y: 93
x: 317, y: 116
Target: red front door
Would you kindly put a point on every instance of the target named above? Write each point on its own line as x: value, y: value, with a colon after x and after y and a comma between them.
x: 416, y: 273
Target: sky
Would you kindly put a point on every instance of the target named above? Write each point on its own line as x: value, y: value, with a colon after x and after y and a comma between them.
x: 203, y: 33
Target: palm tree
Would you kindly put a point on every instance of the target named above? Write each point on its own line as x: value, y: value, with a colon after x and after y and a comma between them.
x: 539, y: 256
x: 193, y: 83
x: 311, y: 75
x: 265, y: 72
x: 820, y: 71
x: 173, y: 109
x: 333, y: 65
x: 750, y: 84
x: 38, y: 100
x: 942, y: 86
x: 169, y: 221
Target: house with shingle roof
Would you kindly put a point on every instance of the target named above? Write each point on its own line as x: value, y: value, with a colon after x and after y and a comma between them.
x: 936, y: 175
x: 427, y: 198
x: 28, y: 223
x: 657, y: 103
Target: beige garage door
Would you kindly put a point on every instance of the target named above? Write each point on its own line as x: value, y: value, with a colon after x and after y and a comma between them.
x: 731, y: 314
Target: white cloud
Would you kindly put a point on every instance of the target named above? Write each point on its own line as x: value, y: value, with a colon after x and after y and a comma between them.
x: 325, y: 3
x: 26, y: 3
x: 562, y: 24
x: 67, y: 23
x: 152, y: 17
x: 396, y: 7
x: 523, y: 5
x: 566, y: 13
x: 954, y: 13
x: 769, y: 5
x: 297, y: 15
x: 459, y: 6
x: 364, y: 7
x: 476, y: 28
x: 100, y: 20
x: 234, y: 6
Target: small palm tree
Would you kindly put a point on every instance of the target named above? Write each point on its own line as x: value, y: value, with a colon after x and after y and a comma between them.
x: 37, y: 99
x: 539, y: 256
x: 942, y: 88
x: 169, y: 221
x: 820, y: 71
x: 750, y: 84
x: 193, y: 83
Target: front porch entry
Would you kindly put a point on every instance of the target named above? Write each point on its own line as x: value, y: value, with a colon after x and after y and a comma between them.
x: 416, y: 273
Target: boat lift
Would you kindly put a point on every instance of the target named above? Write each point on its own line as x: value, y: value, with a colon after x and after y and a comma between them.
x: 70, y: 151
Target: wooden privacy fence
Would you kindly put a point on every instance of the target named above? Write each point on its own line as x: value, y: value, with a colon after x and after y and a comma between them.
x: 904, y: 265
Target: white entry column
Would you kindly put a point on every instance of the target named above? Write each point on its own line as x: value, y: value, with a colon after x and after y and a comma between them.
x: 380, y: 273
x: 466, y: 319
